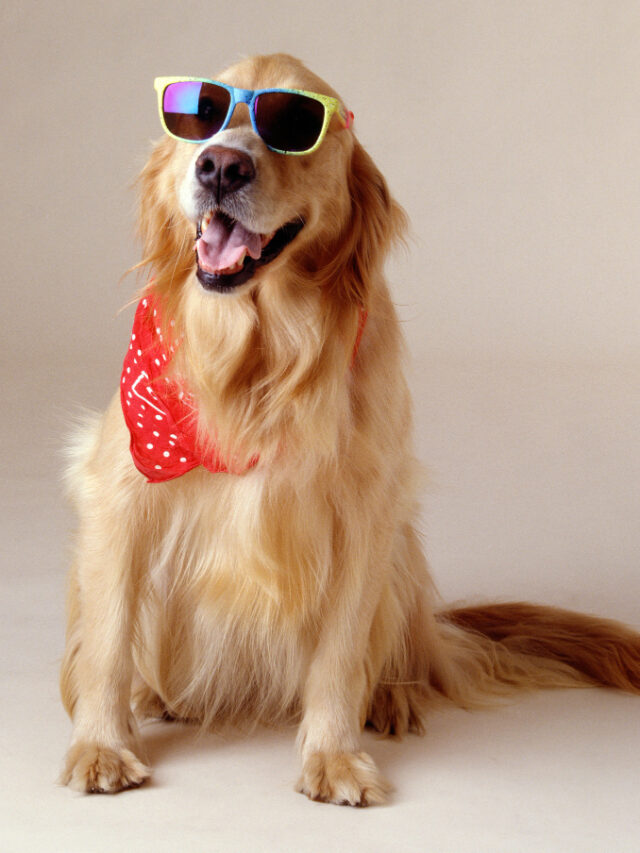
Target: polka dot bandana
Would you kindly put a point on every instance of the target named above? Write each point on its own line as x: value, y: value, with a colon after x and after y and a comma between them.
x: 160, y: 413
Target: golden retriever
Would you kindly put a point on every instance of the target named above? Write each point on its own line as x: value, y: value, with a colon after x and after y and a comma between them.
x: 277, y: 575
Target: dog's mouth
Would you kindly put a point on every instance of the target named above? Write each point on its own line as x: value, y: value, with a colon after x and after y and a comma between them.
x: 228, y: 254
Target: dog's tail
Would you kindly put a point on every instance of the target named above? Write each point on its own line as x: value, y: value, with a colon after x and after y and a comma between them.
x: 501, y: 648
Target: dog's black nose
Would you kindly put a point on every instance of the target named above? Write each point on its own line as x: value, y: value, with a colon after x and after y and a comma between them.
x: 224, y: 170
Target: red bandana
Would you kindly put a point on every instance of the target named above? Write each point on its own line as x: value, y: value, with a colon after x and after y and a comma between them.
x: 161, y: 415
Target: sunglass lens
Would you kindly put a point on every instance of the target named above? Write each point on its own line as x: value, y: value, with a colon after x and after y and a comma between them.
x: 288, y: 121
x: 194, y: 110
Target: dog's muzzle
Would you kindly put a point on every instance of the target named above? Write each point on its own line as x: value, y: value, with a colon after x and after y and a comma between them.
x: 227, y: 253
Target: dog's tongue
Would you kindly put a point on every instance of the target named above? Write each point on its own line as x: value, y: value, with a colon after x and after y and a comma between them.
x: 224, y: 242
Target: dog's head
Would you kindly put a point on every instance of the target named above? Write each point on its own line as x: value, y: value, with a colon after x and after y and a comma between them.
x: 254, y: 211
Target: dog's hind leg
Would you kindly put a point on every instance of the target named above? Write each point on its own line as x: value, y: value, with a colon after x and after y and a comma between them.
x: 147, y: 704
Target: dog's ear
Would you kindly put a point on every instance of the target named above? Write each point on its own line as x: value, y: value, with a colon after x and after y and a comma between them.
x: 167, y: 242
x: 377, y: 221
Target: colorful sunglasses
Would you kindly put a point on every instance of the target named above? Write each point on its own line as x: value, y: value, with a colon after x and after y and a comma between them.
x: 289, y: 121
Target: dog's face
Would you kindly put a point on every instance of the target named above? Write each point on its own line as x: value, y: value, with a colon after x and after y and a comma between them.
x: 248, y: 206
x: 273, y: 221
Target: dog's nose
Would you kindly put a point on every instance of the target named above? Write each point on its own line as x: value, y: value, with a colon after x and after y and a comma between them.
x: 224, y: 170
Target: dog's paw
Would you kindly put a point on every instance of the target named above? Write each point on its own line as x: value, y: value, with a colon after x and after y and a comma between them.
x: 94, y: 769
x: 345, y: 778
x: 147, y: 705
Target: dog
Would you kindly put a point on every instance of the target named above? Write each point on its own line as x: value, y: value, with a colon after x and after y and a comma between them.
x: 247, y: 549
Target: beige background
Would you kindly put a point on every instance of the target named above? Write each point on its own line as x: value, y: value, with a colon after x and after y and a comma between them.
x: 510, y: 131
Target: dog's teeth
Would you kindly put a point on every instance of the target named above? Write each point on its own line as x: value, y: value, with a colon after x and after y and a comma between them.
x: 206, y: 221
x: 239, y: 263
x: 267, y: 238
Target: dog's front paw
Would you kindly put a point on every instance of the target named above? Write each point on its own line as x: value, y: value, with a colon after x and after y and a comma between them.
x: 345, y: 778
x: 94, y: 769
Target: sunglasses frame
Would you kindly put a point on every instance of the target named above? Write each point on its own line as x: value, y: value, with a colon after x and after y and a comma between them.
x: 332, y: 106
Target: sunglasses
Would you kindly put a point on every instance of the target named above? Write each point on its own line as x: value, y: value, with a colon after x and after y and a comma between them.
x: 289, y: 121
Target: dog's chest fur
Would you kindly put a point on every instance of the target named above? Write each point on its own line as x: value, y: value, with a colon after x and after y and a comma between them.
x: 234, y: 594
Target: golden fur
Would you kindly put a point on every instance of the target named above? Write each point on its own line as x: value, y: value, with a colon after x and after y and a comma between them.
x: 297, y: 591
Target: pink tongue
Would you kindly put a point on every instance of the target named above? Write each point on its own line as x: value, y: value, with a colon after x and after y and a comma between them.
x: 221, y: 245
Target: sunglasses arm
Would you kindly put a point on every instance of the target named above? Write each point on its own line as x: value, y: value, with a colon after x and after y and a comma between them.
x: 346, y: 116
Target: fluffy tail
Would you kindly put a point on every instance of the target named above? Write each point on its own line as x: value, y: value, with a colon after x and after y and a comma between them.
x: 533, y: 646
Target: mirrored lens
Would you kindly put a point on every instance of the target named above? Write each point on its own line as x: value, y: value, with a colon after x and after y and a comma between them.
x: 287, y: 121
x: 194, y: 110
